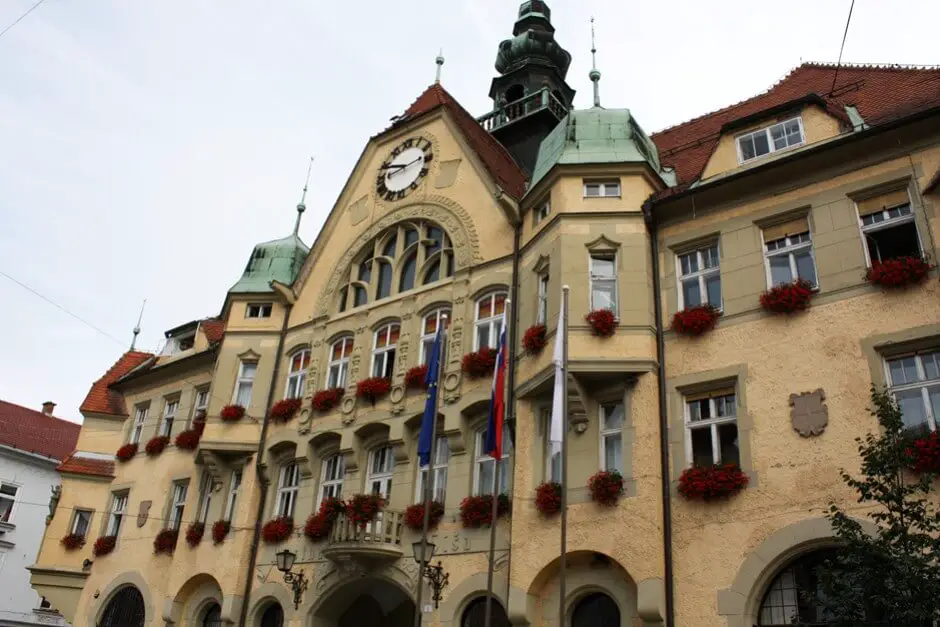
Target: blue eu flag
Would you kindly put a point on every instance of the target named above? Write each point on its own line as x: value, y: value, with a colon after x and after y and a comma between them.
x: 430, y: 405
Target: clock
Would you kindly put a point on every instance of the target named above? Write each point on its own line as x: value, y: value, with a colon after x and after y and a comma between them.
x: 407, y: 164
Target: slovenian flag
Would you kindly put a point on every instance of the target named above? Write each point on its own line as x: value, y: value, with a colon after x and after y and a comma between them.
x: 494, y: 427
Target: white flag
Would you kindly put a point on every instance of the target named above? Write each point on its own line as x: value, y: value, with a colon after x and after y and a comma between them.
x: 556, y: 430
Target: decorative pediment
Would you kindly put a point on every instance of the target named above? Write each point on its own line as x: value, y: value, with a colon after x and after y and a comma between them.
x: 249, y: 355
x: 603, y: 245
x: 541, y: 266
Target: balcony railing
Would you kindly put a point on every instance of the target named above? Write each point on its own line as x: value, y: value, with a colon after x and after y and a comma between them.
x: 380, y: 538
x: 542, y: 100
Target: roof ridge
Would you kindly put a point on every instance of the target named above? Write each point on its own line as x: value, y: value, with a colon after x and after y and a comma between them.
x: 38, y: 412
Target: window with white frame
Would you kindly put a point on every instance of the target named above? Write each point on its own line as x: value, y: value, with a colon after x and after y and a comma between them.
x: 429, y: 331
x: 7, y: 501
x: 612, y: 419
x: 258, y: 310
x: 288, y: 484
x: 541, y: 212
x: 439, y: 472
x: 246, y: 381
x: 339, y: 363
x: 118, y: 511
x: 81, y: 522
x: 201, y: 402
x: 381, y: 467
x: 914, y: 381
x: 711, y: 428
x: 297, y: 374
x: 332, y: 475
x: 491, y: 311
x: 140, y: 418
x: 484, y: 467
x: 234, y: 487
x: 541, y: 316
x: 601, y: 189
x: 170, y: 406
x: 552, y: 458
x: 888, y: 227
x: 383, y: 351
x: 699, y: 277
x: 788, y: 253
x: 205, y: 496
x: 770, y: 139
x: 604, y: 281
x: 178, y: 504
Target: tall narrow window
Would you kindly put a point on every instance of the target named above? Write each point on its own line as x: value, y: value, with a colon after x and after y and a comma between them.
x: 201, y: 402
x: 604, y: 282
x: 491, y: 310
x: 914, y: 382
x: 178, y: 504
x: 381, y: 469
x: 408, y: 271
x: 234, y: 488
x: 297, y: 375
x: 612, y: 437
x: 245, y: 383
x: 383, y: 354
x: 541, y: 212
x: 485, y: 466
x: 384, y: 289
x: 332, y: 475
x: 711, y: 429
x: 118, y: 510
x: 541, y: 316
x: 700, y: 278
x: 205, y: 496
x: 169, y: 416
x: 552, y: 457
x: 339, y: 363
x: 788, y: 253
x: 888, y: 227
x: 140, y: 418
x: 7, y: 501
x: 81, y: 522
x: 429, y: 331
x: 287, y: 486
x: 439, y: 470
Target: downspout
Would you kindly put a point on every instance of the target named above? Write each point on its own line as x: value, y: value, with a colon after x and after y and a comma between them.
x: 651, y: 228
x: 259, y: 469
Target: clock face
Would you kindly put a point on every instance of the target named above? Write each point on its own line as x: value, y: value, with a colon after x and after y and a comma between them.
x: 401, y: 172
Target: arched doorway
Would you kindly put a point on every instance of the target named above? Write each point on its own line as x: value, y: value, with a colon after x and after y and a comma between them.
x: 125, y: 609
x: 788, y: 601
x: 366, y: 601
x: 596, y: 610
x: 273, y: 616
x: 475, y: 614
x: 212, y: 616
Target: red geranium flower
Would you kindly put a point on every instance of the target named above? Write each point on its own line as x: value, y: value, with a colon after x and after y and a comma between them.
x: 924, y: 454
x: 232, y: 413
x: 606, y: 487
x: 194, y: 533
x: 362, y: 508
x: 695, y: 321
x: 126, y: 452
x: 603, y: 322
x: 477, y: 511
x: 533, y: 340
x: 220, y: 529
x: 707, y: 483
x: 156, y: 445
x: 414, y: 516
x: 899, y: 272
x: 331, y: 507
x: 318, y: 527
x: 73, y: 541
x: 165, y: 542
x: 325, y: 400
x: 277, y: 529
x: 373, y: 389
x: 188, y: 440
x: 479, y: 364
x: 548, y: 498
x: 284, y: 410
x: 787, y: 297
x: 104, y: 545
x: 414, y: 378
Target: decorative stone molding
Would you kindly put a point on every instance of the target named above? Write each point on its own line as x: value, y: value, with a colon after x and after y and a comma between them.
x: 602, y: 245
x: 809, y: 414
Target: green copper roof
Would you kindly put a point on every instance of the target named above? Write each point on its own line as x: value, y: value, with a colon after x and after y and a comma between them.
x: 277, y: 260
x: 598, y: 135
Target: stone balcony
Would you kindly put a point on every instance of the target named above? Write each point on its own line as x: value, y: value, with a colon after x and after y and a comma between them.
x: 378, y: 541
x: 541, y: 102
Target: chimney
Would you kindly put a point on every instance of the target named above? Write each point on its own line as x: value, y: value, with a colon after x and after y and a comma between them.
x: 47, y: 408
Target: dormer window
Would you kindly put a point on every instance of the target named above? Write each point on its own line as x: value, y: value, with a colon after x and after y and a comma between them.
x: 179, y: 343
x: 258, y: 310
x: 771, y: 139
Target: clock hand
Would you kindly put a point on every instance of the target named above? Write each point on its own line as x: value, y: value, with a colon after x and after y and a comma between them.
x: 403, y: 167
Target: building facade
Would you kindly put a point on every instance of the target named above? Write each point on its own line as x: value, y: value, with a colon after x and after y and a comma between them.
x: 32, y: 444
x: 480, y: 222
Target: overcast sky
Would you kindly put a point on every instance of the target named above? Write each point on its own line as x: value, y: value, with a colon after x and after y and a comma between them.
x: 145, y: 147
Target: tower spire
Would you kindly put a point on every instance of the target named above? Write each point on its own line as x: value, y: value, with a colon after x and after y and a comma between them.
x: 595, y: 74
x: 301, y: 207
x: 137, y: 327
x: 440, y: 65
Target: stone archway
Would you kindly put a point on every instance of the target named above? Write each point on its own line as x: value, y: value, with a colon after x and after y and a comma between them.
x: 365, y: 601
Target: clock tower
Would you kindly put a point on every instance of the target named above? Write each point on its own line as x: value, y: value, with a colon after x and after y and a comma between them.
x: 530, y: 95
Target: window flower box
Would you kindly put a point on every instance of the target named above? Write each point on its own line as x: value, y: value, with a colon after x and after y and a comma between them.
x: 325, y: 400
x: 232, y: 413
x: 363, y: 508
x: 188, y: 440
x: 695, y: 321
x: 707, y: 483
x: 165, y: 542
x: 277, y: 530
x: 414, y: 516
x: 156, y: 445
x: 897, y: 273
x: 194, y: 533
x: 924, y: 454
x: 548, y: 498
x: 127, y: 452
x: 477, y: 511
x: 788, y: 297
x: 73, y: 541
x: 373, y: 389
x: 331, y: 507
x: 603, y: 323
x: 220, y: 529
x: 605, y: 487
x: 533, y: 340
x: 415, y: 378
x: 318, y: 527
x: 479, y: 364
x: 104, y: 545
x: 285, y: 409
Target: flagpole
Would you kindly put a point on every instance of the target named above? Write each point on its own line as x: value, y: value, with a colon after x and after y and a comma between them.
x: 562, y: 568
x: 429, y: 482
x: 487, y: 616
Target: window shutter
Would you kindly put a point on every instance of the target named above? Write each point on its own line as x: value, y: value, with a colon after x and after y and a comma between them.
x: 791, y: 227
x: 709, y: 394
x: 884, y: 201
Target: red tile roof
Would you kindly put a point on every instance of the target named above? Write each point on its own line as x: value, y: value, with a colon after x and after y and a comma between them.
x: 101, y: 398
x: 33, y: 431
x: 214, y: 329
x: 497, y: 160
x: 84, y: 466
x: 880, y: 94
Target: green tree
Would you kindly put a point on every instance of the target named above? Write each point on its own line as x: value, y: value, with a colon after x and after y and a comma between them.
x: 893, y: 576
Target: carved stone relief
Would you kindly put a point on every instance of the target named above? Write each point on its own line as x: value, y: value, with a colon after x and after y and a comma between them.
x: 143, y: 513
x: 809, y: 413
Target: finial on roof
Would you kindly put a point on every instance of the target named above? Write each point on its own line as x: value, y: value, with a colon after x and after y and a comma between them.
x: 595, y: 74
x: 137, y: 328
x: 440, y: 64
x: 301, y: 207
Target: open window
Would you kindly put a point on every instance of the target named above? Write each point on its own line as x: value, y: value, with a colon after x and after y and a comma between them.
x: 888, y: 228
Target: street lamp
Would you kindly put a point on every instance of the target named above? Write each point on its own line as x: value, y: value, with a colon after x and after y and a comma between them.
x: 423, y: 552
x: 285, y: 563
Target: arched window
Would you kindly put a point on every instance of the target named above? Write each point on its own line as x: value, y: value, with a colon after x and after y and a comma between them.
x: 596, y: 610
x: 789, y: 600
x: 475, y: 614
x: 297, y: 375
x: 385, y: 280
x: 125, y: 609
x: 288, y: 484
x: 491, y: 310
x: 408, y: 270
x: 391, y: 247
x: 383, y: 352
x: 429, y: 330
x: 339, y: 363
x: 332, y: 474
x: 212, y: 617
x: 273, y: 617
